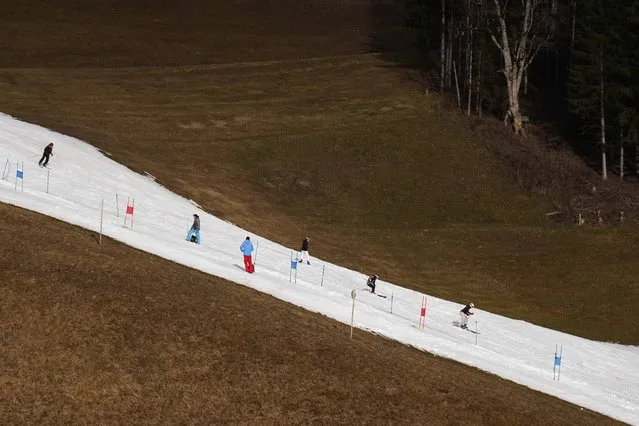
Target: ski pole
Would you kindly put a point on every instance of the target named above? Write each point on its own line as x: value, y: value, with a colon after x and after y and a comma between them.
x: 5, y: 173
x: 353, y: 296
x: 257, y: 247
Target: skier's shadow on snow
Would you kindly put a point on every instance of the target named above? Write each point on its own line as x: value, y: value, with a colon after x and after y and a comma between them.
x: 240, y: 267
x: 456, y: 323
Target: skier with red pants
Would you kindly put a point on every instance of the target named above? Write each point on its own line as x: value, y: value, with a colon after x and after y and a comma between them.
x: 247, y: 249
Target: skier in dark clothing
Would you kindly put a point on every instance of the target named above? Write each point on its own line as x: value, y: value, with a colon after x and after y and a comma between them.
x: 194, y: 233
x: 304, y: 251
x: 465, y: 313
x: 371, y: 282
x: 48, y: 151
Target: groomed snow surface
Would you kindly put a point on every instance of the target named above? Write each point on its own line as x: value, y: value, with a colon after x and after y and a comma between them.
x: 603, y: 377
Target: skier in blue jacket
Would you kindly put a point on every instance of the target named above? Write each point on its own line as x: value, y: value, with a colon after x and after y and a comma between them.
x: 247, y: 250
x: 194, y: 231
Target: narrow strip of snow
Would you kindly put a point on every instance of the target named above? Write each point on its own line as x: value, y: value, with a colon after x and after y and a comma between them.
x: 601, y: 376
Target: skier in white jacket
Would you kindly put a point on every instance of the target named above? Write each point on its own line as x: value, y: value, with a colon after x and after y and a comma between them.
x: 465, y: 313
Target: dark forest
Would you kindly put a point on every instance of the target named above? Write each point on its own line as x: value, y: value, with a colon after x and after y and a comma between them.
x: 567, y: 66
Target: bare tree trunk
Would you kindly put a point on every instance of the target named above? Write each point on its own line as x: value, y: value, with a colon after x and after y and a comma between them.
x: 602, y: 91
x: 514, y: 113
x: 636, y: 141
x: 621, y: 160
x: 526, y: 83
x: 556, y: 67
x: 449, y: 53
x: 512, y: 71
x: 443, y: 48
x: 513, y: 75
x: 470, y: 73
x: 573, y: 6
x: 457, y: 85
x: 469, y: 56
x: 478, y: 105
x: 525, y: 46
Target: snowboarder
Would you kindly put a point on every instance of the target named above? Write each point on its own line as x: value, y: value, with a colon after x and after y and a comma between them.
x: 194, y: 233
x: 371, y: 282
x: 247, y: 249
x: 465, y: 313
x: 304, y: 251
x: 48, y: 151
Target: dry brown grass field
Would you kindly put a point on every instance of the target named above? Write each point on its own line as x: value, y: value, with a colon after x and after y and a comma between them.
x: 273, y: 115
x: 112, y: 335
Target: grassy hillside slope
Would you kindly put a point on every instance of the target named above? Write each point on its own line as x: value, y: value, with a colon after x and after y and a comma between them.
x: 221, y: 102
x: 349, y: 152
x: 65, y: 33
x: 110, y: 335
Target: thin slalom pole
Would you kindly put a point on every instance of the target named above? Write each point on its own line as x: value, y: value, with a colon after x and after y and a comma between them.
x: 101, y: 220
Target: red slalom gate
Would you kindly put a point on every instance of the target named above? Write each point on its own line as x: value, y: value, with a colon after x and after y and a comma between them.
x: 422, y: 314
x: 130, y: 208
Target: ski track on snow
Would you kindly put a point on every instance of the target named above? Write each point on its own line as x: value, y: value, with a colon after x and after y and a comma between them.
x: 603, y: 377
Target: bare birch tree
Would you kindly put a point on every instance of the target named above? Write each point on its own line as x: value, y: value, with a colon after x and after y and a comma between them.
x: 622, y: 159
x: 478, y: 79
x: 469, y: 55
x: 457, y: 85
x: 450, y: 44
x: 573, y: 12
x: 602, y: 113
x: 470, y: 73
x: 443, y: 48
x: 518, y: 29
